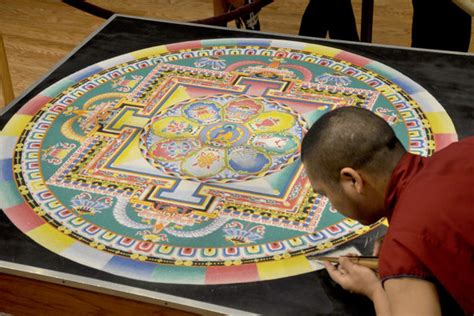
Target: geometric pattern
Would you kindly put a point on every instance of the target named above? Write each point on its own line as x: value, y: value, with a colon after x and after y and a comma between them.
x: 180, y: 163
x: 223, y: 138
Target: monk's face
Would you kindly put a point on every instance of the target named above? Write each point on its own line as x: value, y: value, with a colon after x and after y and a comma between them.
x: 347, y: 200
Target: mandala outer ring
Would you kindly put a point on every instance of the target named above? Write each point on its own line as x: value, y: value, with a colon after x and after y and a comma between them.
x: 33, y: 226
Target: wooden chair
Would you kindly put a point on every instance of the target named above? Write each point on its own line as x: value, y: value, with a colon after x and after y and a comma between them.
x: 5, y: 78
x: 254, y: 7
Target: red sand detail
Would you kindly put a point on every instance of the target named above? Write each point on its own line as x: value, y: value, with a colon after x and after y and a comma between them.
x: 355, y: 59
x: 186, y: 45
x: 34, y: 105
x: 443, y: 140
x: 232, y: 274
x: 24, y: 217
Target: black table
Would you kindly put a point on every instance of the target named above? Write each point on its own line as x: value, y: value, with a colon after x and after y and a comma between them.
x: 449, y: 77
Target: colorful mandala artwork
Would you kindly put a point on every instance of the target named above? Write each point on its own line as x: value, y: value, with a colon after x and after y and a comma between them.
x: 181, y: 163
x: 223, y: 138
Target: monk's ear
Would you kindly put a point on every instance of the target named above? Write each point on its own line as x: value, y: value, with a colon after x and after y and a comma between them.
x: 351, y: 180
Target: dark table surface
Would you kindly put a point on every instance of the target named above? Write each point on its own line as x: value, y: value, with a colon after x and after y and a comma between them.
x: 448, y: 77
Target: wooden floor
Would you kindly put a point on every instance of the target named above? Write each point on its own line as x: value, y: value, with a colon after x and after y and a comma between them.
x: 39, y: 33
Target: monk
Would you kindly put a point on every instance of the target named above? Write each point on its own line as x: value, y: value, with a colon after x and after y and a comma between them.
x: 353, y: 157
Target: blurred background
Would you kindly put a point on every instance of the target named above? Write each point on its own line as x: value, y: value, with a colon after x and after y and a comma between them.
x: 37, y: 34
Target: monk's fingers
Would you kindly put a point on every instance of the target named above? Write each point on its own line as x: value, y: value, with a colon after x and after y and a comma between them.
x: 330, y: 267
x: 335, y: 272
x: 346, y: 264
x: 342, y: 270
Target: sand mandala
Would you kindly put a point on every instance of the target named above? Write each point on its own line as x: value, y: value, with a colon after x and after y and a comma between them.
x: 181, y: 163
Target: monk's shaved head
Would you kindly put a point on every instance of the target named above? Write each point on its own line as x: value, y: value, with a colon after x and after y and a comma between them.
x: 349, y: 137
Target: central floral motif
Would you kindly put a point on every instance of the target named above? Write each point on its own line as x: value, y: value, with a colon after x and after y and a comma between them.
x: 224, y: 135
x: 223, y: 138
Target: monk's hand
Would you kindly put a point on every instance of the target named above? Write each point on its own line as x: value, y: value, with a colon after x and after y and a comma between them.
x: 353, y: 277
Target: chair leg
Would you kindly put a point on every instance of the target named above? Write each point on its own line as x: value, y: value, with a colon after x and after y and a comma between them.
x: 367, y: 21
x: 5, y: 75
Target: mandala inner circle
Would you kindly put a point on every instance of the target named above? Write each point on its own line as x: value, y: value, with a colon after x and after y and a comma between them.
x: 223, y: 138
